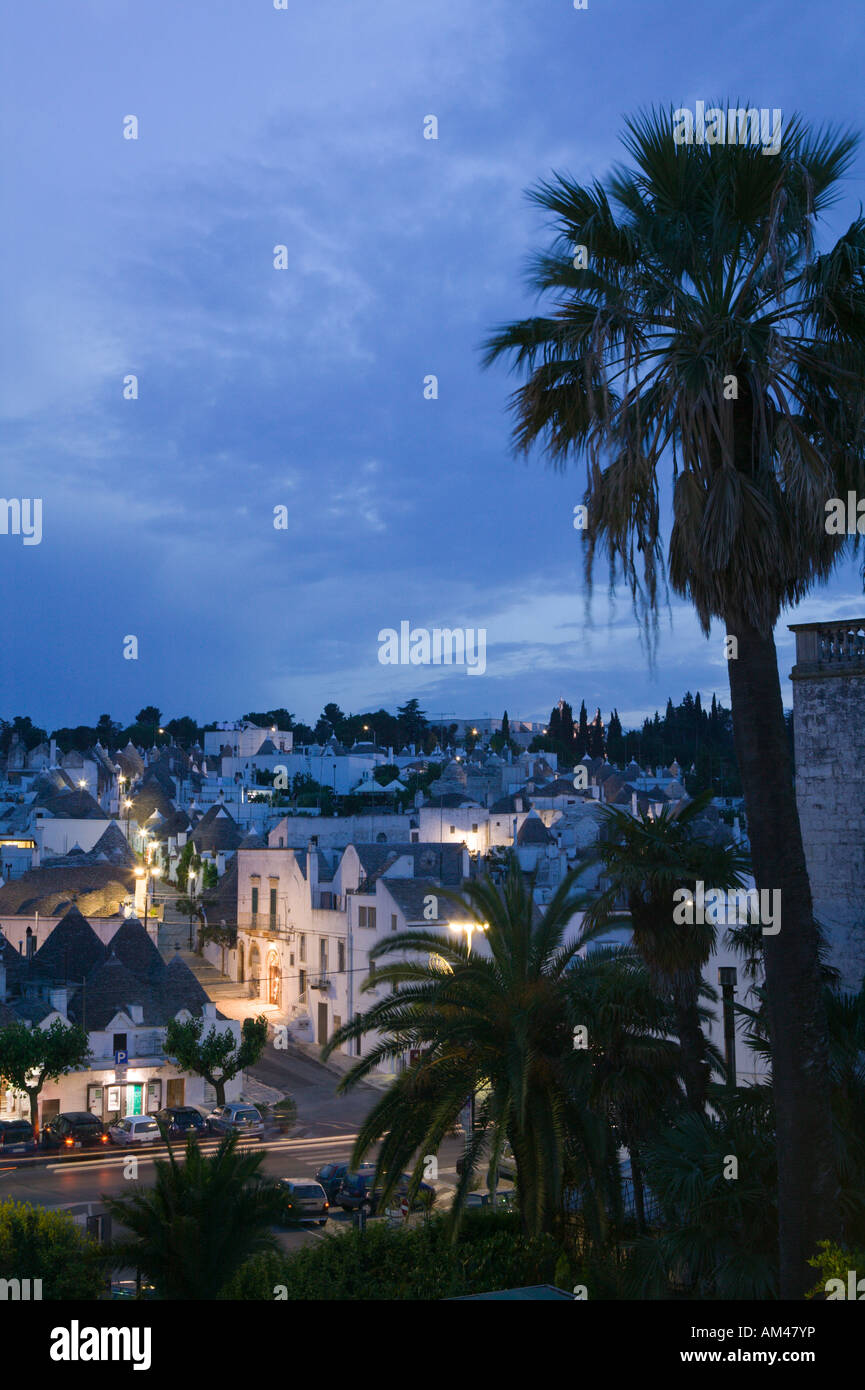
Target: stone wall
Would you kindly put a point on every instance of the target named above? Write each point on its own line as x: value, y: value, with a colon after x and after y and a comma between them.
x: 829, y: 731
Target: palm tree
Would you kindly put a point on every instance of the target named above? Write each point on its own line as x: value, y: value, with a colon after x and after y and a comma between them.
x: 846, y: 1015
x: 498, y: 1024
x: 632, y: 1067
x: 719, y: 1237
x: 646, y: 858
x: 706, y: 325
x: 201, y: 1220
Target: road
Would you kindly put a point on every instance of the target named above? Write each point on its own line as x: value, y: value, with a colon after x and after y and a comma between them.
x: 75, y: 1183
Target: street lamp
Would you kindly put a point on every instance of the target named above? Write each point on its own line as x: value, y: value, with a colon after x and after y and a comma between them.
x: 469, y: 928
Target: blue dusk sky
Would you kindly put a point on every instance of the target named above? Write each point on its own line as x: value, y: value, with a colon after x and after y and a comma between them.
x: 303, y: 387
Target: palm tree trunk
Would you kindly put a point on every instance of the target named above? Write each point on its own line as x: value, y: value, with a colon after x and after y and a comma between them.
x: 692, y: 1043
x: 807, y: 1207
x: 637, y: 1182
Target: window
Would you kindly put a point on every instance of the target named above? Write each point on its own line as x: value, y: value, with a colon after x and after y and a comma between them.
x: 322, y: 955
x: 302, y: 983
x: 474, y: 829
x: 254, y: 905
x: 393, y: 921
x: 372, y: 969
x: 303, y: 946
x: 291, y: 957
x: 366, y: 917
x: 281, y: 842
x: 340, y: 956
x: 453, y: 830
x: 119, y: 1042
x: 272, y: 909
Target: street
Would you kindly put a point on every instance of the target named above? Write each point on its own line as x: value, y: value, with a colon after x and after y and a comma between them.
x: 80, y: 1183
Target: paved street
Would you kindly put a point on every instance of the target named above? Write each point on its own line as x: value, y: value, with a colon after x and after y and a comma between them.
x: 74, y: 1183
x: 326, y: 1125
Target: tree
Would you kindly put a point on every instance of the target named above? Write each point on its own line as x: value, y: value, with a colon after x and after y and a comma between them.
x: 616, y: 747
x: 499, y: 1024
x: 330, y: 723
x: 646, y: 859
x: 200, y: 1221
x: 31, y: 1056
x: 720, y: 1232
x: 36, y: 1243
x: 22, y: 725
x: 597, y: 742
x: 183, y: 730
x: 582, y: 734
x: 633, y: 1067
x: 188, y: 862
x: 708, y: 325
x: 217, y: 1056
x: 107, y: 730
x: 412, y: 722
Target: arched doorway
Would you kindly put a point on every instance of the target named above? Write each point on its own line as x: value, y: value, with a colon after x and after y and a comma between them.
x: 254, y: 972
x: 274, y: 980
x: 240, y: 962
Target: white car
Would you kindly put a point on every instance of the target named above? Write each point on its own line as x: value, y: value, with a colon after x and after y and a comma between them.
x: 135, y: 1129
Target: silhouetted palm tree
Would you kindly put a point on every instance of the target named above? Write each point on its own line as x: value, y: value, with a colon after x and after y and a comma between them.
x: 499, y: 1024
x: 199, y: 1222
x: 707, y: 331
x: 646, y: 858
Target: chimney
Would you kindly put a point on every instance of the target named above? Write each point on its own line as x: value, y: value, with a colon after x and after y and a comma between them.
x: 136, y: 1012
x: 60, y: 1000
x: 52, y: 755
x: 634, y: 803
x: 312, y: 865
x: 220, y: 862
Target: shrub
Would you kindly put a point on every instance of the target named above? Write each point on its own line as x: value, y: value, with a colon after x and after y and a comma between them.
x: 47, y: 1245
x: 420, y: 1262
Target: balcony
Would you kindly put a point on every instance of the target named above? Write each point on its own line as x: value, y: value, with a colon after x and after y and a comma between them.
x: 320, y: 981
x: 266, y: 922
x: 835, y: 648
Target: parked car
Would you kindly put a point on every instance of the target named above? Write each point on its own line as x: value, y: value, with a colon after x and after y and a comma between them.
x: 16, y: 1137
x: 305, y: 1200
x: 76, y: 1129
x: 480, y: 1201
x: 237, y: 1118
x: 332, y: 1175
x: 180, y: 1120
x: 135, y: 1129
x: 357, y: 1191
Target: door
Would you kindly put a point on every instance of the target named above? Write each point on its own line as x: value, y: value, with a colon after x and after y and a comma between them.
x: 175, y: 1091
x: 134, y: 1098
x: 322, y: 1024
x: 50, y: 1108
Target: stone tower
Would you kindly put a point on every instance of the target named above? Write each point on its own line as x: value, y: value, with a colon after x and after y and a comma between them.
x: 829, y: 732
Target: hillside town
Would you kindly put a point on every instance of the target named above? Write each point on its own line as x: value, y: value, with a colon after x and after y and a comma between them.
x: 432, y: 763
